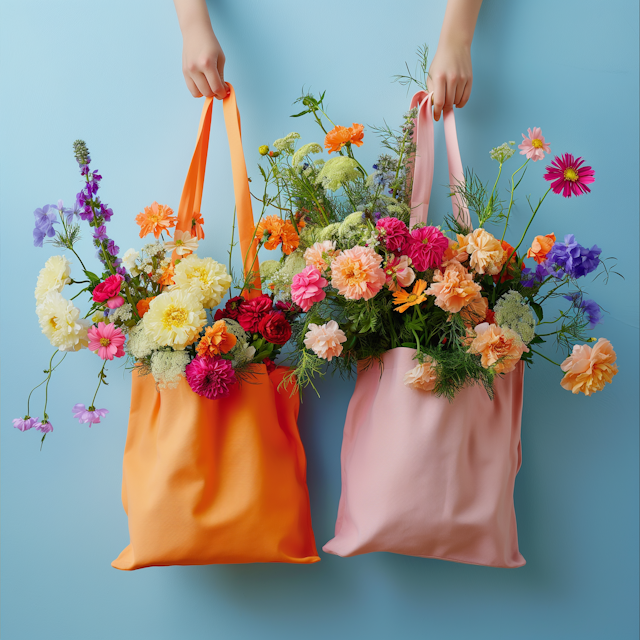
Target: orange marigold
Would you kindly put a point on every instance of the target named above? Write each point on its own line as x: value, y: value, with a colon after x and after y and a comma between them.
x: 142, y: 306
x: 216, y: 340
x: 196, y: 226
x: 540, y: 246
x: 339, y: 136
x: 155, y: 219
x: 167, y: 276
x: 406, y: 299
x: 275, y: 231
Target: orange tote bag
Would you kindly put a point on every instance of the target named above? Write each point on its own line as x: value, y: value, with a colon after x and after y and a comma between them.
x: 216, y: 481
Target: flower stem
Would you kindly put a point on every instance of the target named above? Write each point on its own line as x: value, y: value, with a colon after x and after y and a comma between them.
x: 513, y: 188
x: 545, y: 357
x: 101, y: 377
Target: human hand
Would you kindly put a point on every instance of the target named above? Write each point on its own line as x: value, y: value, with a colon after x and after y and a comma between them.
x: 450, y: 77
x: 203, y: 62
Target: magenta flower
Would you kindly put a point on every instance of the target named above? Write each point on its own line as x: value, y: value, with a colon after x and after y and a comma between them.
x: 90, y: 415
x: 211, y: 377
x: 26, y: 423
x: 393, y: 234
x: 106, y: 340
x: 535, y: 146
x: 567, y: 175
x: 426, y: 248
x: 307, y: 287
x: 43, y: 427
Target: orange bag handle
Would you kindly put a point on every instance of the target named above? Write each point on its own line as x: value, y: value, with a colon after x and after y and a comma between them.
x: 191, y: 199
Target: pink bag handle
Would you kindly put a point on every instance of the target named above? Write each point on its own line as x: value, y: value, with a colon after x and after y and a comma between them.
x: 424, y: 161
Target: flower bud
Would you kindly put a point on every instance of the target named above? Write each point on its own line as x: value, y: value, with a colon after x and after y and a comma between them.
x: 263, y: 150
x: 274, y: 154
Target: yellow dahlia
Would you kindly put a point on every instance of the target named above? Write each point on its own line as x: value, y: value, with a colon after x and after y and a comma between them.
x: 205, y: 278
x: 175, y: 319
x: 53, y: 277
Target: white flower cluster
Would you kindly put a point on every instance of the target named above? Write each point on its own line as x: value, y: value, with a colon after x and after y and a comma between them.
x: 280, y: 275
x: 336, y: 172
x: 513, y: 312
x: 121, y: 315
x: 167, y: 367
x: 287, y: 144
x: 304, y: 151
x: 242, y: 352
x: 503, y: 152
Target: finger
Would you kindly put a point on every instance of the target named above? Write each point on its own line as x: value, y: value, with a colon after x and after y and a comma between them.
x: 201, y: 82
x: 439, y: 96
x: 465, y: 95
x: 215, y: 82
x: 450, y: 92
x: 221, y: 61
x: 191, y: 85
x: 459, y: 92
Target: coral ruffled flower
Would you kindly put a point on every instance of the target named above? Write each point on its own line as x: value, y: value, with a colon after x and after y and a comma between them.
x: 497, y: 347
x: 339, y: 136
x: 541, y: 246
x: 423, y: 376
x: 535, y: 146
x: 587, y: 370
x: 487, y: 254
x: 182, y: 243
x: 393, y: 233
x: 275, y: 231
x: 454, y: 252
x: 106, y: 340
x: 356, y: 273
x: 325, y: 340
x: 406, y: 299
x: 426, y: 248
x: 155, y: 219
x: 109, y: 292
x: 320, y: 254
x: 453, y: 289
x: 250, y: 312
x: 307, y: 287
x: 142, y: 306
x: 398, y: 272
x: 568, y: 176
x: 196, y: 226
x: 216, y: 340
x: 212, y: 378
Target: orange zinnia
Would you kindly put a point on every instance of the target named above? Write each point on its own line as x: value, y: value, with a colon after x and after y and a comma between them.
x: 216, y: 340
x: 277, y: 231
x: 406, y: 299
x: 142, y: 306
x: 196, y: 226
x: 167, y: 277
x: 339, y: 136
x: 155, y: 219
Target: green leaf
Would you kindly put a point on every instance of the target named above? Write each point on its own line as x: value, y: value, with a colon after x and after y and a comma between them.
x: 538, y: 310
x: 302, y: 113
x: 92, y: 276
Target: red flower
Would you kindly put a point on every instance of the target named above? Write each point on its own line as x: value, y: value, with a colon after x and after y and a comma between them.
x: 231, y: 309
x: 250, y: 312
x: 270, y: 364
x: 275, y: 328
x: 568, y: 176
x: 108, y: 289
x: 289, y: 308
x: 490, y: 317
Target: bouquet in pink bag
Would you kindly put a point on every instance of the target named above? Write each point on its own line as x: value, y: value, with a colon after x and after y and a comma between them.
x: 439, y: 323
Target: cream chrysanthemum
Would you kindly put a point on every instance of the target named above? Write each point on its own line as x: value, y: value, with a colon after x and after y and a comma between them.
x: 175, y: 319
x: 140, y: 344
x: 203, y: 277
x: 53, y: 277
x: 60, y: 321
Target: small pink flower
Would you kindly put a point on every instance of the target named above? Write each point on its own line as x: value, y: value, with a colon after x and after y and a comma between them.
x: 534, y: 147
x: 325, y: 340
x: 109, y: 292
x: 398, y: 272
x: 307, y: 287
x: 426, y: 248
x: 106, y: 340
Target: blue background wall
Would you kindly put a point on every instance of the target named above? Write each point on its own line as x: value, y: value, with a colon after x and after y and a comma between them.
x: 109, y: 72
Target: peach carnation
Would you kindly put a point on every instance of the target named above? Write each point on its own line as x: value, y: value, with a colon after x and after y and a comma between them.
x: 423, y: 376
x: 356, y: 273
x: 487, y: 254
x: 325, y: 340
x: 453, y: 289
x: 320, y: 255
x: 540, y: 246
x: 475, y: 312
x: 587, y: 370
x: 498, y: 347
x: 454, y: 252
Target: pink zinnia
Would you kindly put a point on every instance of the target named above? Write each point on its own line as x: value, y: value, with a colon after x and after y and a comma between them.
x: 356, y: 273
x: 307, y: 287
x: 106, y: 340
x: 393, y: 234
x: 426, y: 248
x: 567, y: 175
x: 534, y: 147
x: 109, y: 292
x: 211, y: 377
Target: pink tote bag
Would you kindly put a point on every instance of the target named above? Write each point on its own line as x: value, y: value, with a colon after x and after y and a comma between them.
x: 423, y: 476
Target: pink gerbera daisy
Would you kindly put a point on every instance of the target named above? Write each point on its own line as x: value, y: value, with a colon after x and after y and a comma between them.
x: 106, y: 340
x: 567, y: 175
x: 534, y: 147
